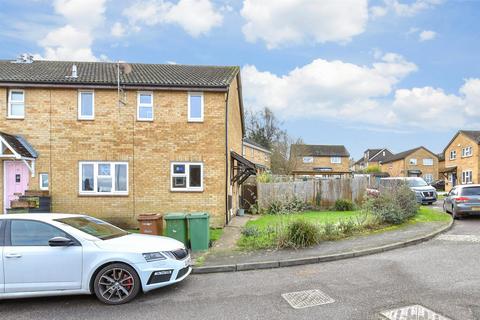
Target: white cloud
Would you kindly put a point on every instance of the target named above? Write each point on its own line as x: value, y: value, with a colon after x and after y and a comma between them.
x: 426, y: 35
x: 356, y: 94
x: 279, y: 23
x: 117, y: 30
x: 196, y: 17
x: 74, y: 40
x: 403, y: 9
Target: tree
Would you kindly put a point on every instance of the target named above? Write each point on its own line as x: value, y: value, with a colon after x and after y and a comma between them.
x: 263, y: 127
x: 282, y: 161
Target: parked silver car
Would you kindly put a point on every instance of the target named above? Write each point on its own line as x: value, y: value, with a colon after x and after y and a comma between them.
x: 463, y: 200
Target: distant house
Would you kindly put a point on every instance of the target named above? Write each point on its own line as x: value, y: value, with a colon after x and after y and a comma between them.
x: 256, y: 153
x: 320, y: 160
x: 441, y: 164
x: 372, y: 157
x: 462, y: 159
x: 417, y: 162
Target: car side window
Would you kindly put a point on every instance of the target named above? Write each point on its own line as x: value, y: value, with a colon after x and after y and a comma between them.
x: 453, y: 192
x: 32, y: 233
x: 2, y: 233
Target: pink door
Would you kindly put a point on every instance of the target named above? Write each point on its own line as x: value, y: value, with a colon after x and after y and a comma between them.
x: 16, y: 181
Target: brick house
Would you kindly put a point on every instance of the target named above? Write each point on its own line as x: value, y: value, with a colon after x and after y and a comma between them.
x: 462, y: 159
x: 257, y: 154
x: 417, y: 162
x: 320, y: 160
x: 372, y: 157
x: 115, y: 140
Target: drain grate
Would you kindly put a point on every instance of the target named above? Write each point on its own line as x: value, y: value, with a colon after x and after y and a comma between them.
x: 459, y: 237
x: 415, y: 312
x: 307, y: 298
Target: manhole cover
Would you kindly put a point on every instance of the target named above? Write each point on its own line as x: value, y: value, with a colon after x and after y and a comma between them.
x: 307, y: 298
x: 415, y: 312
x: 459, y: 237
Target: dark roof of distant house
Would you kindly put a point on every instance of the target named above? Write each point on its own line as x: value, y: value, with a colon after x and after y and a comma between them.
x: 404, y: 154
x: 105, y: 74
x: 441, y: 156
x: 253, y: 143
x: 472, y: 134
x: 20, y: 145
x: 319, y: 150
x: 378, y: 156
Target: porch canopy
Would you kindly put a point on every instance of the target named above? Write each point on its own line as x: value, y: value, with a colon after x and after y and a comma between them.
x: 15, y: 147
x: 241, y: 168
x: 446, y: 171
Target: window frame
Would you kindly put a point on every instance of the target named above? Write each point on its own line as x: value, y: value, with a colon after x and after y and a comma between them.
x: 428, y: 180
x: 464, y: 152
x: 453, y: 154
x: 187, y: 176
x: 95, y: 192
x: 9, y: 106
x: 40, y: 180
x: 412, y: 161
x: 202, y: 106
x: 307, y: 159
x: 139, y: 104
x: 464, y: 176
x: 428, y: 164
x: 8, y: 233
x: 336, y: 162
x: 79, y: 102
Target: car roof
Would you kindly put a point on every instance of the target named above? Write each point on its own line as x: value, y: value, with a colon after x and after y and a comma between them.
x: 400, y: 178
x: 40, y: 216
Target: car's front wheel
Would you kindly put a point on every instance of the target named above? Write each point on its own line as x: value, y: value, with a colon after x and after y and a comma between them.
x: 116, y: 284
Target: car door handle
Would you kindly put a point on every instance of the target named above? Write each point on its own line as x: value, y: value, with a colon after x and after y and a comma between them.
x: 13, y: 256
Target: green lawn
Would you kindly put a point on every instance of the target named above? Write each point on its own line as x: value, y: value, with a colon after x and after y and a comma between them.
x: 264, y: 230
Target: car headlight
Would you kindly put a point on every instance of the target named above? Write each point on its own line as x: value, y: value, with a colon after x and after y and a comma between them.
x: 418, y: 193
x: 153, y: 256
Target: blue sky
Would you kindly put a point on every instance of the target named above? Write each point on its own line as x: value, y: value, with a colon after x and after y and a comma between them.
x: 393, y: 73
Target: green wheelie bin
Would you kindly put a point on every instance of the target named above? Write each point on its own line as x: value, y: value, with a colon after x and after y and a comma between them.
x: 199, y: 230
x: 176, y: 227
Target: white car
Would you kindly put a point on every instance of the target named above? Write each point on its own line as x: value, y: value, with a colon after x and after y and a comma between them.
x: 66, y: 254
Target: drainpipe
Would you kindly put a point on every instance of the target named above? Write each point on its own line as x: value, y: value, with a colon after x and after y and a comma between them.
x: 227, y: 154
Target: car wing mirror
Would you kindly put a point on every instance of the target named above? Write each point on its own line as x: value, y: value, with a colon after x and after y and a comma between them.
x: 60, y: 242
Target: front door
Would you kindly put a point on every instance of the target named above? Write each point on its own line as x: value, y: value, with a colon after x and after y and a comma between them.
x: 16, y: 181
x: 31, y: 265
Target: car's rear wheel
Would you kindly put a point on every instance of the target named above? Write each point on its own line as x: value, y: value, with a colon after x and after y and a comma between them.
x: 116, y: 283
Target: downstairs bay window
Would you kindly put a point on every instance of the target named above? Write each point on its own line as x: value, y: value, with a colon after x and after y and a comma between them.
x: 186, y: 176
x: 103, y: 178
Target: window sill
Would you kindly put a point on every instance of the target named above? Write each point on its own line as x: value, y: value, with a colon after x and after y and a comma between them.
x: 187, y: 190
x: 86, y: 119
x: 195, y: 120
x: 15, y: 118
x: 144, y: 120
x: 107, y: 195
x: 467, y: 156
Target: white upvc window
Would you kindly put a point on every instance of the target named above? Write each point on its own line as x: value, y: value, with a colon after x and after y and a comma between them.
x: 466, y: 152
x: 43, y: 181
x: 466, y: 176
x: 195, y: 106
x: 103, y: 178
x: 86, y: 105
x: 428, y: 177
x: 453, y: 154
x: 335, y: 160
x: 186, y: 176
x: 16, y: 104
x: 145, y: 106
x: 413, y: 161
x: 307, y: 159
x: 428, y: 162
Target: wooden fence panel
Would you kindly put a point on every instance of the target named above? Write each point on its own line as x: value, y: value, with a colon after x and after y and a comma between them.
x: 322, y: 193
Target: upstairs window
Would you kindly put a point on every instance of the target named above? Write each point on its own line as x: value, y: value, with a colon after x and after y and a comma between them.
x: 195, y: 107
x: 109, y: 178
x: 467, y: 152
x: 467, y: 177
x: 428, y: 162
x: 86, y: 105
x: 145, y: 106
x: 453, y: 155
x: 335, y: 160
x: 307, y: 159
x: 16, y: 104
x: 413, y: 161
x: 187, y: 176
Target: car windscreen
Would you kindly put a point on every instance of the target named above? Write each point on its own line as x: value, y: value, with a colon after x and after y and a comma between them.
x: 416, y: 183
x: 94, y: 227
x: 470, y: 191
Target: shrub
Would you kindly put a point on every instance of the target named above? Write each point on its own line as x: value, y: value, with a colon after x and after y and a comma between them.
x: 343, y: 205
x: 286, y: 207
x: 299, y: 234
x: 251, y: 231
x: 265, y: 177
x: 393, y: 205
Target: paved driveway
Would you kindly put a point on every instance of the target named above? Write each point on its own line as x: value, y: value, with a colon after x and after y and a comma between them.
x: 442, y: 274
